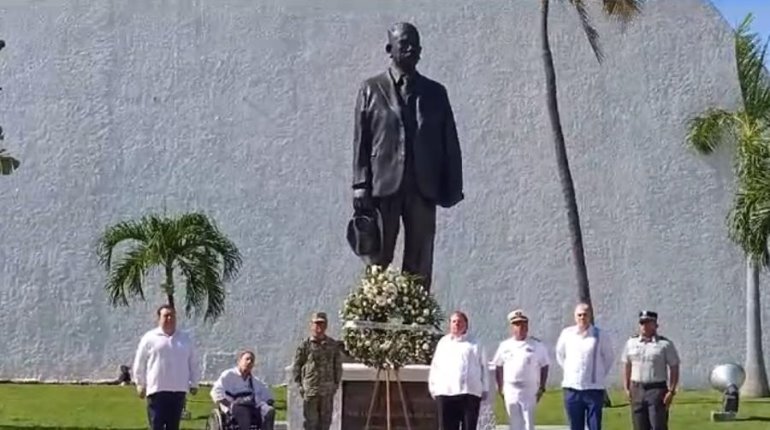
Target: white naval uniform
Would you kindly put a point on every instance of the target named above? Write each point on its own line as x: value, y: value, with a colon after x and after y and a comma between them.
x: 521, y: 361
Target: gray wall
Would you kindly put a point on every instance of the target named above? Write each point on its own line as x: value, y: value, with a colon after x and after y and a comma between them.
x: 243, y: 109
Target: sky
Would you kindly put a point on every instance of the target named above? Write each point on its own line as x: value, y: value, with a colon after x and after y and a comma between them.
x: 735, y: 10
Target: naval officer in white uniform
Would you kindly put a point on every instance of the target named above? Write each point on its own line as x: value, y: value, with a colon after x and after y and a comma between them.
x: 521, y: 371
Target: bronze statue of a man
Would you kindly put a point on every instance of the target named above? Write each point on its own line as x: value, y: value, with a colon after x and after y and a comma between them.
x: 406, y: 154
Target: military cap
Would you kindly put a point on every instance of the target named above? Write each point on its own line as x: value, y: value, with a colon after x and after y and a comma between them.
x: 319, y: 317
x: 517, y: 316
x: 648, y: 316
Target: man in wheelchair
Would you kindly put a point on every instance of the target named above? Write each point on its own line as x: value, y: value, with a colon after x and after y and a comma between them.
x: 244, y: 399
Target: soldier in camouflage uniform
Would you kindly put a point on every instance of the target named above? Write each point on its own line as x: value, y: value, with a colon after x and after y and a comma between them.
x: 317, y: 370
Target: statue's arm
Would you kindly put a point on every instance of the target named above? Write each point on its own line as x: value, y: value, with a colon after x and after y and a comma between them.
x: 453, y: 162
x: 362, y: 144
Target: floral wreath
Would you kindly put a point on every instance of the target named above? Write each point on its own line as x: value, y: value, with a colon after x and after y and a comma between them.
x: 390, y: 320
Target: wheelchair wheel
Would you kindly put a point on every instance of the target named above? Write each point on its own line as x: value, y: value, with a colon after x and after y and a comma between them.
x: 216, y: 420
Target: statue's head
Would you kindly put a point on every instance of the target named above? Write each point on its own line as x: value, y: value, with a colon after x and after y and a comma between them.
x: 404, y: 45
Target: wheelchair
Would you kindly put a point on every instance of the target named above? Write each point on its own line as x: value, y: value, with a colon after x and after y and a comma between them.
x: 221, y: 420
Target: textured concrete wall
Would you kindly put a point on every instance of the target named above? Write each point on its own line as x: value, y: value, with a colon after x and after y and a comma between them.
x: 243, y: 109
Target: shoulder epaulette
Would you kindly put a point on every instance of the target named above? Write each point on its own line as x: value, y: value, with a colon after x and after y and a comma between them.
x: 634, y: 336
x: 535, y: 339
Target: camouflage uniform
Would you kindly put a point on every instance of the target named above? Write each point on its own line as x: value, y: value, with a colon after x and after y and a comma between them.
x: 317, y: 369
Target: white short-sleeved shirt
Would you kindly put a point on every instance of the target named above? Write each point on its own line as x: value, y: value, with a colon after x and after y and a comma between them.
x: 521, y: 361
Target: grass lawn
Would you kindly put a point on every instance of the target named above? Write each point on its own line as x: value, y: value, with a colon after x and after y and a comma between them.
x: 90, y: 407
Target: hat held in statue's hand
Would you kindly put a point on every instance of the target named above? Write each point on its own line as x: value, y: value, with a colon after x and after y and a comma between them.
x: 517, y: 316
x: 365, y: 233
x: 319, y: 317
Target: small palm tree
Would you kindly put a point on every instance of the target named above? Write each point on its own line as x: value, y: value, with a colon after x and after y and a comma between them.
x: 749, y: 218
x: 625, y: 10
x: 190, y: 244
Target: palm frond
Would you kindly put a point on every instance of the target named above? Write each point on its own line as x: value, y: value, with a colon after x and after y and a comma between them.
x: 750, y: 54
x: 126, y: 278
x: 588, y: 28
x: 749, y: 219
x: 706, y: 132
x: 202, y: 232
x: 115, y: 235
x: 625, y: 10
x: 203, y: 283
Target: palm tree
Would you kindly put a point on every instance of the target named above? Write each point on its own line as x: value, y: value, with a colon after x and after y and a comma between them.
x: 190, y: 244
x: 749, y: 218
x: 625, y: 10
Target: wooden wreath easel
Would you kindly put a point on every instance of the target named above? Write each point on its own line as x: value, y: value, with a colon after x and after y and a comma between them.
x: 388, y: 372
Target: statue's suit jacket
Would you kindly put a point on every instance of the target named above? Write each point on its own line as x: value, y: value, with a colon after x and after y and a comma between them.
x: 379, y: 147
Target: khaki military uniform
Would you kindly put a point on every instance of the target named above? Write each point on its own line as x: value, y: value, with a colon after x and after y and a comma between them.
x: 650, y: 360
x: 317, y: 369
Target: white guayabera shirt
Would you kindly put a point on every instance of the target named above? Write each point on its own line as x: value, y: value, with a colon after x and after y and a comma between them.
x: 585, y: 358
x: 166, y: 363
x: 459, y: 366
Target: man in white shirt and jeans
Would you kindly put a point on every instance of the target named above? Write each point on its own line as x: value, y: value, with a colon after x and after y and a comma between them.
x: 458, y: 377
x: 585, y: 354
x: 165, y: 369
x: 521, y: 371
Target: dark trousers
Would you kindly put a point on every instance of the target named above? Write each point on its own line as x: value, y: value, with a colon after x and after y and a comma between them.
x: 246, y: 416
x: 456, y: 410
x: 584, y: 408
x: 419, y: 218
x: 318, y: 412
x: 164, y: 410
x: 648, y: 412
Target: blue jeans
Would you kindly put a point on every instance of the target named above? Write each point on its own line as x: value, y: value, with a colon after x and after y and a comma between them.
x: 584, y: 407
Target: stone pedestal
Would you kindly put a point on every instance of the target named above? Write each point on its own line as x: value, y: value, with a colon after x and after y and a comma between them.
x: 351, y: 403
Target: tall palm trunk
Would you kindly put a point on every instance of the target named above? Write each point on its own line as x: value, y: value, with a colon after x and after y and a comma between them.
x: 168, y: 286
x: 565, y: 176
x: 756, y: 376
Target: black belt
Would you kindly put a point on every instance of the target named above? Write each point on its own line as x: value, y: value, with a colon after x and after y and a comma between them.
x: 650, y: 385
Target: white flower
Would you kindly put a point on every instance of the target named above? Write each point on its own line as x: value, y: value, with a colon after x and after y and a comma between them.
x: 425, y: 347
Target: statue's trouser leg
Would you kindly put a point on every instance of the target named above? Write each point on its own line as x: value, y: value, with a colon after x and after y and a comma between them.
x: 419, y: 218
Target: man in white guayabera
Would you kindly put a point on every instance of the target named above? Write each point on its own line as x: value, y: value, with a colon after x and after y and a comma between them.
x: 521, y: 371
x: 585, y: 354
x: 458, y: 378
x: 165, y: 369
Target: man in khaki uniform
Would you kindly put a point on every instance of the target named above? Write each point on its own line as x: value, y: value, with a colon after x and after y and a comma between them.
x: 317, y: 369
x: 650, y: 374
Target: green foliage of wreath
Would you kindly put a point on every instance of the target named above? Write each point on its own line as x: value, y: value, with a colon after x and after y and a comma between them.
x: 399, y: 299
